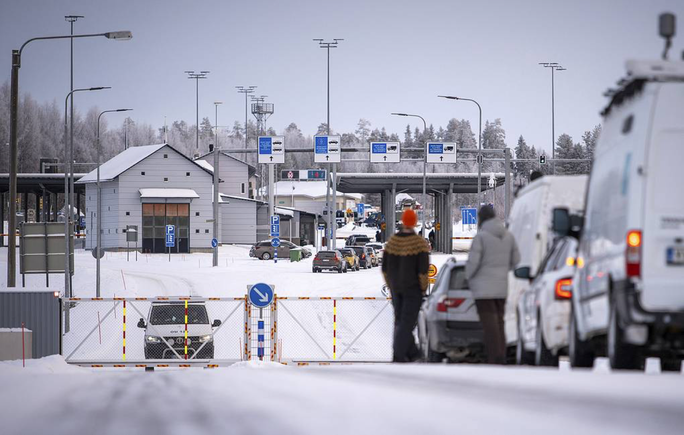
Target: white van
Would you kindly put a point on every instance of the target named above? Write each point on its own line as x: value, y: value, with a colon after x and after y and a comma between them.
x: 628, y: 300
x: 530, y: 224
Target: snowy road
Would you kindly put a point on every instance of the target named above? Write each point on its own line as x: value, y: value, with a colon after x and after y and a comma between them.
x: 49, y: 397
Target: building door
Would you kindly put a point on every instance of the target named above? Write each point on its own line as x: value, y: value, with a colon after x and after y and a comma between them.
x: 155, y: 219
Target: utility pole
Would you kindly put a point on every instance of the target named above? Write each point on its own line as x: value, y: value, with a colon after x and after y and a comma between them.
x: 197, y: 76
x: 554, y: 66
x: 217, y: 180
x: 332, y: 211
x: 246, y: 90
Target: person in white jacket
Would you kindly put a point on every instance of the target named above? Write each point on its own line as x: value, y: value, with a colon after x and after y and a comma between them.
x: 493, y: 254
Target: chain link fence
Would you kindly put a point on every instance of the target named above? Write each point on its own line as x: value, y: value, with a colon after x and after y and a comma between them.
x: 142, y: 330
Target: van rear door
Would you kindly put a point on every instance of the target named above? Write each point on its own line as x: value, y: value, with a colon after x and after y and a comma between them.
x: 662, y: 260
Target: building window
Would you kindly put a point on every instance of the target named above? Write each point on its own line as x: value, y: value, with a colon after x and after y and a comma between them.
x: 187, y: 174
x: 196, y: 214
x: 196, y: 232
x: 108, y: 209
x: 166, y: 156
x: 205, y: 232
x: 242, y: 189
x: 141, y: 173
x: 114, y: 192
x: 165, y: 180
x: 128, y: 213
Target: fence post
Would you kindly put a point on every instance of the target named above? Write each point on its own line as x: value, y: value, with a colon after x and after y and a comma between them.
x: 334, y: 329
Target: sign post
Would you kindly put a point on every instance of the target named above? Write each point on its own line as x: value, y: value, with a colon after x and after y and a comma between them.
x: 385, y: 152
x: 327, y: 150
x: 170, y: 238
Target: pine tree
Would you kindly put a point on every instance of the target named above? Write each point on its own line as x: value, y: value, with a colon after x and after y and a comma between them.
x: 408, y: 141
x: 566, y: 149
x: 363, y: 130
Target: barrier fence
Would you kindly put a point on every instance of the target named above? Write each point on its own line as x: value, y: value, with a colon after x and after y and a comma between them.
x: 210, y: 332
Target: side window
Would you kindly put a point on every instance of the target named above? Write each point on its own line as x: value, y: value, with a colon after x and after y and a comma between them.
x: 562, y: 256
x: 556, y: 256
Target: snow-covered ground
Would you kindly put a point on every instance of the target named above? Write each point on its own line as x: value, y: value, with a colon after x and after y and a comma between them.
x: 192, y: 274
x: 267, y: 398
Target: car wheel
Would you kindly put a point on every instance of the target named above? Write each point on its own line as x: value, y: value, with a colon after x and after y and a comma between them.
x: 522, y: 356
x: 543, y: 355
x: 430, y: 355
x: 579, y: 351
x: 266, y: 256
x: 622, y: 355
x: 671, y: 364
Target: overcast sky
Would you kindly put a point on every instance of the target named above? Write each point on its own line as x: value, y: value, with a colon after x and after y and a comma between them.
x: 397, y: 56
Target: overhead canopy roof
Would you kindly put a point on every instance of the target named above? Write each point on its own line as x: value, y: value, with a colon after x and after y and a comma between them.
x: 34, y: 183
x: 413, y: 182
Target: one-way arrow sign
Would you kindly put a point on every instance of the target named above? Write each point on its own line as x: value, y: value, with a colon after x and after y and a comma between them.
x: 260, y: 295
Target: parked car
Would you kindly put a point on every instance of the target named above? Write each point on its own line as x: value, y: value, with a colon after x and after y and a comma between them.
x: 353, y: 262
x: 264, y: 251
x: 375, y: 258
x: 357, y: 240
x: 165, y: 331
x: 530, y: 224
x: 545, y: 306
x: 365, y: 255
x: 329, y: 260
x: 379, y: 249
x: 628, y: 300
x: 448, y: 324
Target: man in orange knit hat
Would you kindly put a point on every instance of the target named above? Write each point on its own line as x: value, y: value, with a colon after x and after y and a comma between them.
x: 405, y: 265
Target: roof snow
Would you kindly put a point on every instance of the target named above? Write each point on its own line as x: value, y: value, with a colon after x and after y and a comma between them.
x: 168, y: 193
x: 206, y: 165
x: 312, y: 189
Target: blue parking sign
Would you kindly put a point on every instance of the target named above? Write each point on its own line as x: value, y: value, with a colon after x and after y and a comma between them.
x: 170, y: 236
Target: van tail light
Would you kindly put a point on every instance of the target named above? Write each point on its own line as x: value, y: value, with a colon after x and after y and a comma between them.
x: 447, y: 303
x: 363, y: 256
x: 563, y: 289
x: 633, y: 254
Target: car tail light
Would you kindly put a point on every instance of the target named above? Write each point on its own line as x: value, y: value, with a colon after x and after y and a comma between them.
x: 317, y: 258
x: 363, y: 255
x: 256, y: 247
x: 564, y: 289
x: 633, y: 254
x: 446, y: 303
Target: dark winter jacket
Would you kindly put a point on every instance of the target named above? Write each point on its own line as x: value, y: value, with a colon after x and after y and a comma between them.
x: 405, y: 263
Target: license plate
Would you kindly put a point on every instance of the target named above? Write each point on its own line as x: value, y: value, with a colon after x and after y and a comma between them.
x: 675, y: 256
x: 326, y: 261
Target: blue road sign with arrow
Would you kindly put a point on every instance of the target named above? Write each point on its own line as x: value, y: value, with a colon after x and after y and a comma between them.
x: 260, y: 295
x: 275, y: 242
x: 214, y: 243
x: 469, y: 216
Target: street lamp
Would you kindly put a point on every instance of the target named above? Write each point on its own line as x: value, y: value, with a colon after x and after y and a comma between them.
x: 216, y: 183
x: 197, y: 76
x: 245, y: 90
x: 422, y: 231
x: 14, y: 108
x: 553, y: 66
x: 99, y: 199
x: 332, y: 220
x: 68, y: 213
x: 479, y: 145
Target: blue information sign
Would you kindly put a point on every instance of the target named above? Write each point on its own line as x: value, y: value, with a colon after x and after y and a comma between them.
x: 436, y: 148
x: 265, y: 145
x: 379, y: 148
x: 469, y: 216
x: 275, y: 220
x: 275, y: 242
x: 170, y: 236
x: 321, y: 144
x: 261, y: 295
x: 360, y: 210
x: 275, y: 230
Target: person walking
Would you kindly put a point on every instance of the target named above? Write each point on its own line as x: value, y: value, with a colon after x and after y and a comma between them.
x: 405, y: 265
x: 493, y: 254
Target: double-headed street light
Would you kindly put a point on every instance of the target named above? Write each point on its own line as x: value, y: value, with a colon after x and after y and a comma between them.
x: 479, y: 146
x: 216, y: 184
x: 197, y: 76
x: 246, y: 90
x: 99, y: 199
x: 68, y: 172
x: 14, y: 110
x: 424, y: 166
x: 553, y: 66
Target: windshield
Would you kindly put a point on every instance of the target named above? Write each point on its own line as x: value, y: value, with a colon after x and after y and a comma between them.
x: 326, y: 254
x: 358, y: 251
x: 174, y: 314
x: 346, y: 252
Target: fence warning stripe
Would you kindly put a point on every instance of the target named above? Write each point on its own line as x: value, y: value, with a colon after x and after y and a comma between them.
x: 186, y: 329
x: 124, y: 330
x: 140, y: 299
x: 334, y: 329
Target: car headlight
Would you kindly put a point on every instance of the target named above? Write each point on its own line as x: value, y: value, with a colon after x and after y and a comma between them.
x: 152, y: 339
x: 205, y: 338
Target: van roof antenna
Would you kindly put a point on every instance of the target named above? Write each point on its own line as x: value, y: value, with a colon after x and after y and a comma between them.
x: 667, y: 26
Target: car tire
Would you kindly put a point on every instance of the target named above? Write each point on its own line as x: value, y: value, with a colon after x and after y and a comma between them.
x: 543, y: 356
x: 522, y: 356
x: 266, y: 256
x: 579, y: 352
x: 671, y: 364
x: 622, y: 355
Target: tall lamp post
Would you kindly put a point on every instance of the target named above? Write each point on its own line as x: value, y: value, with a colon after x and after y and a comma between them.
x: 99, y: 199
x: 14, y: 108
x: 332, y: 220
x: 216, y: 183
x: 479, y: 146
x: 246, y: 90
x: 553, y: 66
x: 68, y: 214
x: 197, y: 76
x: 424, y: 166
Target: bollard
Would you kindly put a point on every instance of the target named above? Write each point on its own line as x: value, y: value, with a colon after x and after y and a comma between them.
x: 23, y: 354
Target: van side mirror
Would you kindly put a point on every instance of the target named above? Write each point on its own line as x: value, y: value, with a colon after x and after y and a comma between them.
x: 216, y: 323
x: 523, y: 272
x: 561, y: 221
x: 141, y: 323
